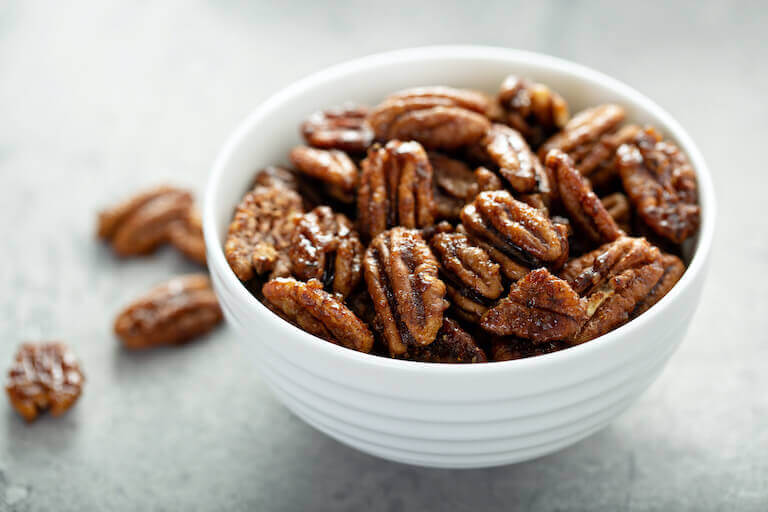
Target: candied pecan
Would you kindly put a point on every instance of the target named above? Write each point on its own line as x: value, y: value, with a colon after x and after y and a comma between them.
x: 540, y: 307
x: 455, y: 185
x: 187, y: 236
x: 260, y: 232
x: 332, y: 167
x: 275, y: 176
x: 324, y: 246
x: 452, y: 345
x: 517, y: 164
x: 318, y: 312
x: 521, y: 237
x: 140, y: 224
x: 395, y: 188
x: 661, y: 185
x: 532, y: 109
x: 673, y: 271
x: 437, y: 117
x: 344, y: 128
x: 617, y: 206
x: 44, y: 376
x: 582, y: 205
x: 487, y: 180
x: 402, y: 277
x: 507, y: 348
x: 171, y: 313
x: 473, y: 280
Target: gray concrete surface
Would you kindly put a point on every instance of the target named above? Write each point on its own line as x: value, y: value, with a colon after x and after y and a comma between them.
x: 97, y: 100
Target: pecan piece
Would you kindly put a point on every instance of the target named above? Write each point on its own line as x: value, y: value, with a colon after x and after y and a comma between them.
x: 487, y: 180
x: 508, y: 348
x: 473, y: 280
x: 582, y: 205
x: 519, y: 236
x: 402, y: 278
x: 324, y: 246
x: 260, y: 232
x: 186, y: 235
x: 332, y: 167
x: 455, y: 185
x: 517, y: 164
x: 344, y: 128
x: 617, y: 206
x: 661, y: 185
x: 673, y: 271
x: 275, y: 176
x: 437, y: 117
x: 452, y: 345
x: 540, y: 307
x: 395, y: 188
x: 318, y: 312
x: 171, y: 313
x: 140, y: 224
x: 44, y: 376
x: 532, y: 109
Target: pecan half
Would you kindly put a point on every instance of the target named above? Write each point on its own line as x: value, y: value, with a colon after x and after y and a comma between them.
x: 402, y: 277
x: 140, y: 224
x: 508, y: 348
x: 540, y: 307
x: 582, y: 205
x: 661, y: 185
x: 344, y: 128
x: 452, y: 345
x: 455, y: 185
x: 395, y: 188
x: 331, y: 166
x: 171, y: 313
x: 516, y: 163
x: 673, y: 271
x: 487, y: 180
x: 520, y: 237
x: 186, y: 235
x: 617, y: 206
x: 44, y: 376
x: 318, y: 312
x: 260, y: 232
x: 275, y: 176
x: 324, y: 246
x: 473, y: 280
x: 532, y: 109
x: 437, y: 117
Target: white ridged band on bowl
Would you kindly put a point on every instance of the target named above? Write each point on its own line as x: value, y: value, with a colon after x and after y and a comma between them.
x: 435, y: 414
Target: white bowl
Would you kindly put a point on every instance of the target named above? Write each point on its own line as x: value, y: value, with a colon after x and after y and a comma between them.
x: 454, y: 416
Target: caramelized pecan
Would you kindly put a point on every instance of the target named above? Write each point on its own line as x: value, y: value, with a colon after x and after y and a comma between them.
x: 260, y: 232
x: 516, y: 163
x: 582, y: 205
x: 507, y: 348
x: 171, y: 313
x: 318, y: 312
x: 187, y: 236
x: 452, y: 345
x: 44, y: 376
x: 437, y: 117
x: 402, y: 277
x: 344, y: 128
x: 332, y: 167
x: 519, y: 237
x: 395, y: 188
x: 532, y: 109
x: 673, y: 271
x: 617, y: 206
x: 455, y: 185
x: 540, y: 307
x: 661, y: 185
x: 275, y: 176
x: 140, y: 224
x: 487, y: 180
x: 324, y: 246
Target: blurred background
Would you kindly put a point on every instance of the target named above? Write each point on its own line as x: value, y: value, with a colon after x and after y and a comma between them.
x: 100, y: 99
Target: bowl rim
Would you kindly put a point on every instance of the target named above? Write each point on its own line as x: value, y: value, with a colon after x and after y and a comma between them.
x: 695, y: 270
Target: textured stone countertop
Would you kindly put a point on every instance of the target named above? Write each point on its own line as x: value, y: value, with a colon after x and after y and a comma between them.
x: 99, y: 100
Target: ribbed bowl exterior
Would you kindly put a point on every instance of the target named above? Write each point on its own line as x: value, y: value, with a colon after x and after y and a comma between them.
x: 453, y: 416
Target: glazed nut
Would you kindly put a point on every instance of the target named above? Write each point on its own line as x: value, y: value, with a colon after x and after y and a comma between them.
x: 508, y: 348
x: 44, y: 376
x: 172, y: 313
x: 617, y: 206
x: 452, y: 345
x: 673, y: 269
x: 515, y: 161
x: 455, y: 184
x: 344, y: 128
x: 186, y: 235
x: 318, y: 312
x: 532, y: 109
x: 331, y: 166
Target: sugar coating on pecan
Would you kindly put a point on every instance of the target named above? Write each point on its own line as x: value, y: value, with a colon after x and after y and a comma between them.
x: 44, y: 376
x: 260, y: 232
x: 532, y: 109
x: 455, y: 184
x: 402, y: 278
x: 617, y: 206
x: 324, y: 246
x: 186, y: 235
x: 452, y: 345
x: 583, y: 206
x: 437, y: 117
x: 330, y: 166
x: 519, y: 232
x: 540, y: 307
x: 508, y: 348
x: 487, y: 180
x: 673, y: 271
x: 661, y: 184
x: 318, y: 312
x: 171, y: 313
x: 395, y: 188
x: 516, y: 163
x: 140, y: 224
x: 344, y: 128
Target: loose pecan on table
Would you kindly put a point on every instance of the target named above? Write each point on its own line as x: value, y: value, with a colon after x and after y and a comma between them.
x: 437, y: 117
x: 344, y: 128
x: 661, y: 184
x: 452, y: 345
x: 171, y: 313
x: 318, y: 312
x: 44, y: 376
x: 324, y: 246
x: 402, y: 278
x: 140, y: 224
x: 186, y: 235
x: 395, y: 188
x: 455, y: 185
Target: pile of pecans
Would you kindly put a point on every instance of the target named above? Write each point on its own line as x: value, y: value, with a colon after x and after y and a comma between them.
x: 444, y: 225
